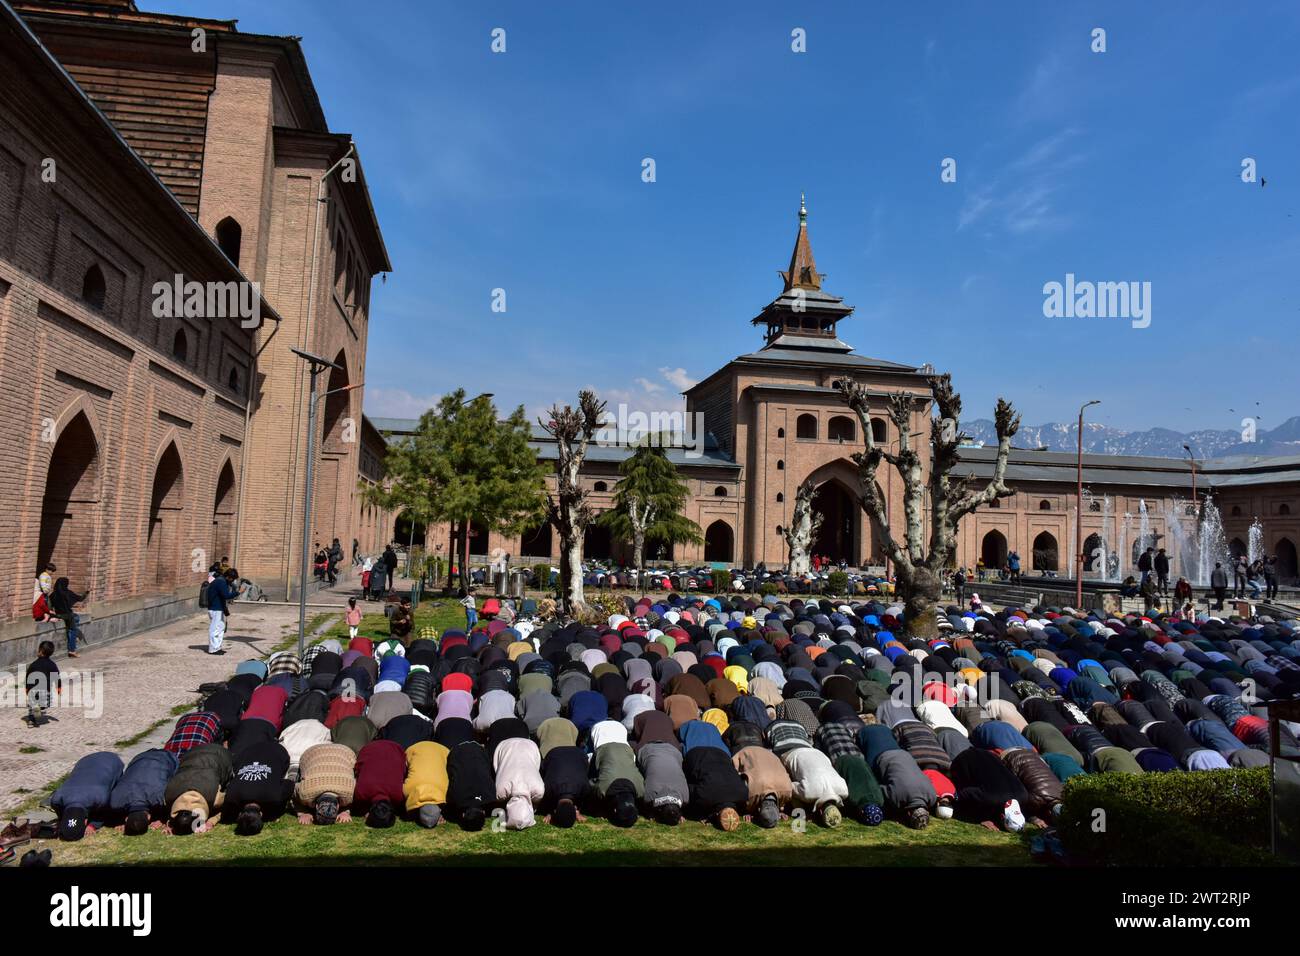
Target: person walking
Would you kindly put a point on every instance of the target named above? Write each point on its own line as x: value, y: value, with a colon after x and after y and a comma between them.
x: 1219, y: 582
x: 1161, y: 565
x: 62, y: 602
x: 220, y: 594
x: 42, y: 681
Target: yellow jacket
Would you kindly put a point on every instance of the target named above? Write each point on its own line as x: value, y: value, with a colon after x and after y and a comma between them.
x: 426, y: 775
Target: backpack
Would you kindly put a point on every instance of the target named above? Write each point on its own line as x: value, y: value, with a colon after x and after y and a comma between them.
x: 203, y: 594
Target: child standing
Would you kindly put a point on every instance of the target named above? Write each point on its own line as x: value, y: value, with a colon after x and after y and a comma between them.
x: 471, y: 610
x: 353, y: 617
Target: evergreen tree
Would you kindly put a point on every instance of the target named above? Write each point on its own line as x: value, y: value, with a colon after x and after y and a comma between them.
x: 464, y: 465
x: 648, y: 503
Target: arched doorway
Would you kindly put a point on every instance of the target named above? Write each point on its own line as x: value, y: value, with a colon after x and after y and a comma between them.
x: 1236, y: 548
x: 166, y: 520
x: 837, y: 537
x: 993, y: 550
x: 718, y: 542
x: 1091, y: 553
x: 70, y: 505
x: 597, y: 544
x: 1046, y: 556
x: 478, y: 538
x: 536, y: 542
x: 402, y: 531
x: 223, y: 514
x: 1286, y: 560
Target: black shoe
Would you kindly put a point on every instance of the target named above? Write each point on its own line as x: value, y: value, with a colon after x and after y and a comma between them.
x: 36, y: 858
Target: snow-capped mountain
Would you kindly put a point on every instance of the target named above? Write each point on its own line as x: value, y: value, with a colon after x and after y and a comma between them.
x: 1155, y: 442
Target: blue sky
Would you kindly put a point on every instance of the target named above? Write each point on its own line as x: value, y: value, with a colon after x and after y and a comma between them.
x: 522, y: 171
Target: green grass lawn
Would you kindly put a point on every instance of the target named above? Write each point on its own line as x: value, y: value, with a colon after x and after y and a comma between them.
x: 595, y: 842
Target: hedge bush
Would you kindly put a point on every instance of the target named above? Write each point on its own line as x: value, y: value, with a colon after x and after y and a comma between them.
x: 767, y: 588
x: 542, y: 577
x: 1197, y: 818
x: 837, y: 582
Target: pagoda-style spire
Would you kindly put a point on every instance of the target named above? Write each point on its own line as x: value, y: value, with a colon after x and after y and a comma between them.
x: 803, y: 270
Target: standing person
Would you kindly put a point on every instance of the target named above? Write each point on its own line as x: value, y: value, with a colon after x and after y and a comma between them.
x: 1270, y: 578
x: 979, y: 569
x: 220, y: 594
x: 42, y: 683
x: 959, y: 583
x: 471, y: 609
x: 353, y: 617
x: 390, y: 564
x: 41, y: 591
x: 1161, y: 564
x: 356, y: 550
x: 62, y: 601
x: 1013, y: 565
x: 1219, y: 582
x: 1144, y: 564
x: 1239, y: 568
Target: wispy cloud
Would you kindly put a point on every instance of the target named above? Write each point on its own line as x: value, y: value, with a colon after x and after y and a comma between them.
x: 1021, y: 201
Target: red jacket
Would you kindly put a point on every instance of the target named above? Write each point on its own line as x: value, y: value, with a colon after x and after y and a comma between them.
x: 381, y: 772
x: 268, y: 704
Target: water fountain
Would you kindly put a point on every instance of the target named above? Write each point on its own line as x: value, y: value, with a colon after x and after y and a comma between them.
x: 1255, y: 541
x: 1212, y: 543
x: 1182, y: 545
x: 1121, y: 550
x: 1145, y: 539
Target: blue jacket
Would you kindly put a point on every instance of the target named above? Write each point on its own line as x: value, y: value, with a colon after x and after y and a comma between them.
x: 145, y: 781
x: 219, y: 595
x: 701, y: 733
x: 89, y: 784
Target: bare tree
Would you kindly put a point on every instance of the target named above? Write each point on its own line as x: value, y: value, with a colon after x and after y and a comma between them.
x: 572, y: 429
x: 920, y: 563
x: 804, y: 524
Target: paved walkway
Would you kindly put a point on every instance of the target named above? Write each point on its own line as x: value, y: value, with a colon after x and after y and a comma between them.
x: 129, y: 685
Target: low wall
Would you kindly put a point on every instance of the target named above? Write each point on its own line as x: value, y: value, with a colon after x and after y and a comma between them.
x: 100, y: 623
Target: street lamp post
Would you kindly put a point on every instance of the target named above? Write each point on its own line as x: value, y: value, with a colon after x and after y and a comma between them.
x: 1078, y: 519
x: 317, y: 365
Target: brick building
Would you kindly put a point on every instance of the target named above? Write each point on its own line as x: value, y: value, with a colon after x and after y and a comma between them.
x: 774, y: 419
x: 135, y: 148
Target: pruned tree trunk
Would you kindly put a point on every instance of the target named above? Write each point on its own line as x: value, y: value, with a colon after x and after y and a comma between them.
x: 572, y: 430
x: 804, y: 525
x: 919, y: 564
x: 464, y: 555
